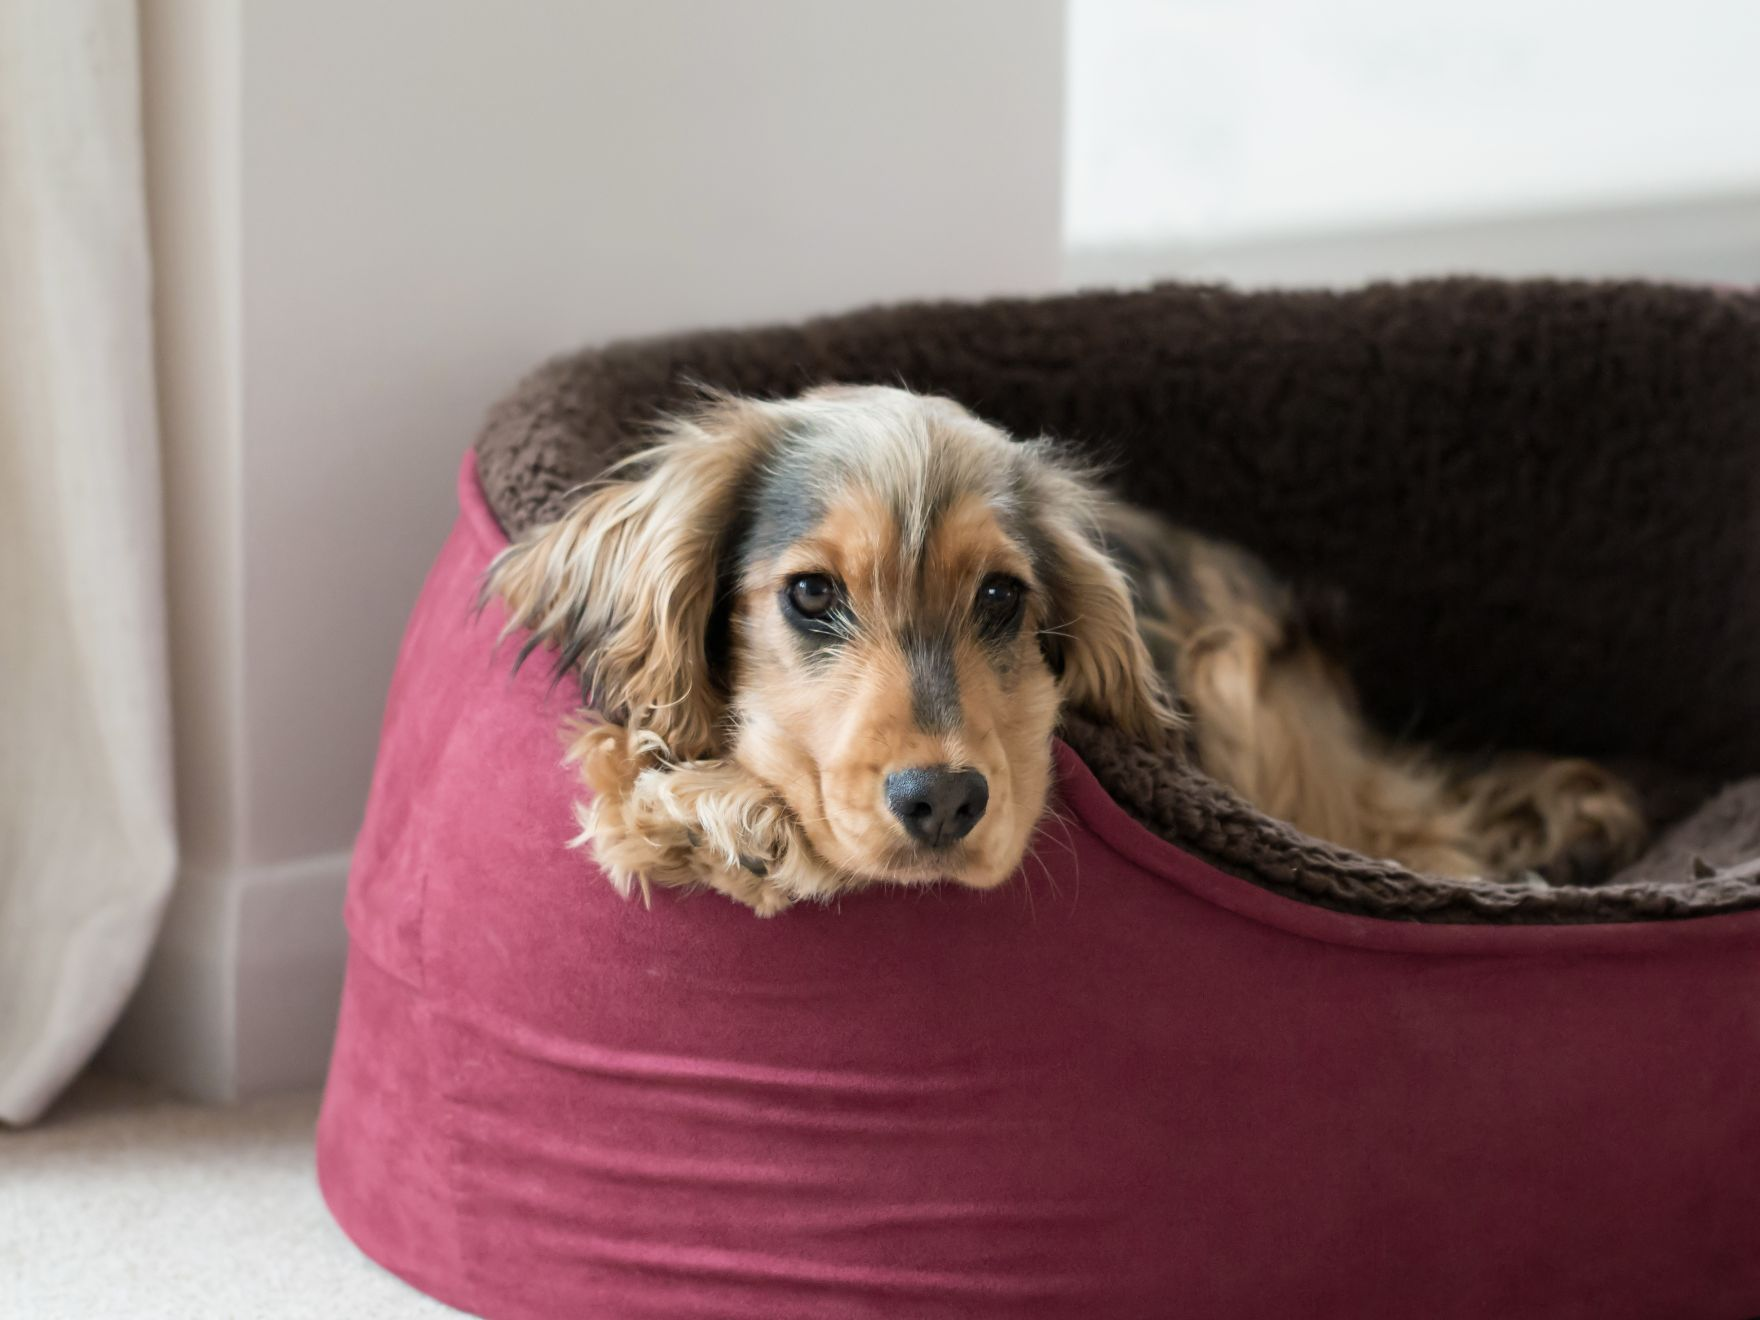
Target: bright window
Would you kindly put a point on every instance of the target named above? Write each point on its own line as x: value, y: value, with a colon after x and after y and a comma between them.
x: 1196, y: 122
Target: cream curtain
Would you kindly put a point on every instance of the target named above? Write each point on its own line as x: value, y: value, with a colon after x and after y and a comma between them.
x: 87, y: 845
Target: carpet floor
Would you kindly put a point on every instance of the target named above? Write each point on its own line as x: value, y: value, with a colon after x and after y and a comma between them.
x: 123, y: 1203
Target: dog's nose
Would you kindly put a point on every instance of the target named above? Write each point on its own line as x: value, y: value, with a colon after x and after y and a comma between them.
x: 936, y: 803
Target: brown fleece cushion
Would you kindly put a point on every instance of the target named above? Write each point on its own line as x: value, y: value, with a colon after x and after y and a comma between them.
x: 1537, y: 497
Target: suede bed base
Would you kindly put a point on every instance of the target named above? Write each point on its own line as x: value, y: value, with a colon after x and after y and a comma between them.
x: 1569, y: 469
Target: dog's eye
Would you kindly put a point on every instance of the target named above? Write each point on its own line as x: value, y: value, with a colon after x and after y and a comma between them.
x: 812, y: 594
x: 999, y: 600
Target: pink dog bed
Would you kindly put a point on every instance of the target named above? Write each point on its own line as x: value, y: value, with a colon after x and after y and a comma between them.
x: 1159, y: 1073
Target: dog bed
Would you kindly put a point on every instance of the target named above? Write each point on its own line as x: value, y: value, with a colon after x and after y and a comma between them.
x: 1188, y: 1062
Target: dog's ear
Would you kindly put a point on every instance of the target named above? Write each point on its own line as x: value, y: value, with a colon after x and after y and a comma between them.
x: 625, y: 585
x: 1089, y: 628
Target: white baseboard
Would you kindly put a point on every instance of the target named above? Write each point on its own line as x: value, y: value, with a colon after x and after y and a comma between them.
x: 291, y: 952
x: 177, y: 1031
x: 240, y: 996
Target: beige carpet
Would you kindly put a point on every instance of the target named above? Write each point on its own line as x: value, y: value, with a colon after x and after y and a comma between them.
x: 124, y: 1204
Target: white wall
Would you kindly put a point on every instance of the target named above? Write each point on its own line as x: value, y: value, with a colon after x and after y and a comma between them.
x: 438, y: 193
x: 180, y: 1026
x: 370, y: 219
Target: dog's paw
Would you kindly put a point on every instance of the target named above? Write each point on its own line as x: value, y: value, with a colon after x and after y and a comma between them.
x: 1570, y: 821
x: 712, y: 823
x: 748, y: 876
x: 1598, y: 829
x: 678, y: 824
x: 746, y: 886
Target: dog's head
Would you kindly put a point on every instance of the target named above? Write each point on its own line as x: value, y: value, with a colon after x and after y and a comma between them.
x: 873, y: 601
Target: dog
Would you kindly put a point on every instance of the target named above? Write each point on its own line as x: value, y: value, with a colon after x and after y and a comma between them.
x: 826, y: 642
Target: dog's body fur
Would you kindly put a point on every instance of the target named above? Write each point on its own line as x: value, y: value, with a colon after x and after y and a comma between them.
x: 789, y: 616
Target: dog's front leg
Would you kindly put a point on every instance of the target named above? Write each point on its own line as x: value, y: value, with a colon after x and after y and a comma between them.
x: 652, y: 821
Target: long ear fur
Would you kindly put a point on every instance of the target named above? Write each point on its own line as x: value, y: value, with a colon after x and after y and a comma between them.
x: 625, y: 584
x: 1090, y: 633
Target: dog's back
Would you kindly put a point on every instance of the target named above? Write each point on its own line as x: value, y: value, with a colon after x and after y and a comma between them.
x: 1275, y: 716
